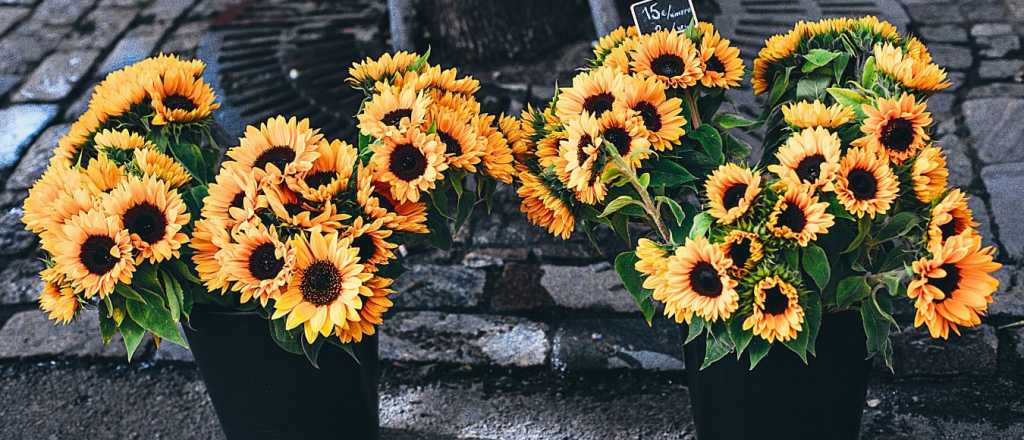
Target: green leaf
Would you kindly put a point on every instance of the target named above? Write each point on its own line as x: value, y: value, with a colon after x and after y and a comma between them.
x: 779, y: 86
x: 701, y: 223
x: 812, y: 317
x: 617, y: 204
x: 877, y: 329
x: 107, y: 325
x: 863, y: 228
x: 625, y: 266
x: 835, y: 208
x: 839, y: 67
x: 816, y: 265
x: 729, y: 120
x: 817, y: 58
x: 695, y: 328
x: 128, y: 293
x: 440, y: 236
x: 677, y: 211
x: 152, y: 316
x: 710, y: 140
x: 735, y: 150
x: 175, y: 295
x: 312, y: 351
x: 191, y: 157
x: 870, y: 74
x: 897, y: 225
x: 851, y: 290
x: 131, y: 334
x: 717, y: 347
x: 182, y: 270
x: 758, y: 350
x: 644, y: 180
x: 812, y: 88
x: 739, y: 336
x: 146, y: 277
x: 792, y: 258
x: 465, y: 207
x: 847, y: 97
x: 668, y: 173
x: 287, y: 340
x: 798, y: 344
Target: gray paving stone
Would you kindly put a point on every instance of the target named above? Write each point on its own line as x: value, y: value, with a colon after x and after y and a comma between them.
x: 186, y: 38
x: 1001, y: 69
x: 21, y: 124
x: 1016, y: 8
x: 21, y: 281
x: 11, y: 16
x: 997, y: 90
x: 946, y: 33
x: 995, y: 126
x: 31, y: 335
x: 609, y: 344
x: 1008, y: 301
x: 431, y: 286
x: 30, y: 43
x: 33, y: 164
x: 519, y: 289
x: 915, y: 353
x: 981, y: 215
x: 12, y: 198
x: 60, y: 12
x: 950, y: 56
x: 991, y: 29
x: 941, y: 104
x: 1005, y: 184
x: 56, y: 76
x: 956, y: 81
x: 7, y: 82
x: 14, y: 239
x: 80, y: 104
x: 464, y: 339
x: 173, y: 353
x: 104, y: 26
x: 985, y: 11
x: 961, y: 171
x: 587, y: 287
x: 136, y: 46
x: 934, y: 12
x: 998, y: 46
x: 167, y: 11
x: 1018, y: 345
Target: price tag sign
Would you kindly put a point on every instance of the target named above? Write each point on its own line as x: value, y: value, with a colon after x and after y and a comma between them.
x: 655, y: 15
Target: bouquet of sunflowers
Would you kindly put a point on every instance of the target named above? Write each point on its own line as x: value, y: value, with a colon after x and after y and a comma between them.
x: 308, y: 232
x: 114, y: 209
x: 633, y: 137
x: 850, y: 209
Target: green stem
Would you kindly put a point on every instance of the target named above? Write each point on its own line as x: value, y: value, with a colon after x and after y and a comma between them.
x: 691, y: 102
x: 645, y: 198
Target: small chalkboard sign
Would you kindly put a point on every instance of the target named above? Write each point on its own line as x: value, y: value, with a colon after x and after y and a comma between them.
x: 655, y: 15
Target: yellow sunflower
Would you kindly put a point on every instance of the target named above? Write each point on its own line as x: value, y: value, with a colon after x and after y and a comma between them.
x: 103, y: 174
x: 614, y: 39
x: 593, y: 92
x: 119, y: 92
x: 392, y: 111
x: 865, y: 184
x: 210, y: 241
x: 95, y: 253
x: 497, y: 159
x: 720, y: 61
x: 953, y: 287
x: 805, y: 114
x: 808, y: 158
x: 929, y: 174
x: 670, y: 57
x: 374, y: 198
x: 325, y: 285
x: 163, y: 167
x: 288, y: 207
x: 364, y: 74
x: 375, y: 304
x: 60, y: 303
x: 624, y: 129
x: 330, y: 173
x: 153, y: 214
x: 776, y: 47
x: 777, y: 312
x: 543, y: 207
x: 913, y: 70
x: 731, y: 191
x: 73, y: 148
x: 798, y: 216
x: 371, y: 238
x: 56, y: 182
x: 259, y: 264
x: 662, y: 117
x: 744, y: 249
x: 433, y: 77
x: 577, y: 165
x: 652, y: 261
x: 121, y: 140
x: 279, y: 147
x: 409, y: 163
x: 177, y: 96
x: 463, y: 145
x: 895, y: 127
x: 698, y: 282
x: 618, y: 59
x: 951, y: 216
x: 233, y: 196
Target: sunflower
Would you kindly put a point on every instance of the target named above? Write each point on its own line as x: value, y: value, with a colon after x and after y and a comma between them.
x: 365, y: 74
x: 392, y: 111
x: 153, y: 214
x: 546, y: 151
x: 210, y: 240
x: 463, y: 145
x: 798, y: 216
x: 720, y: 61
x: 288, y: 207
x: 618, y: 59
x: 60, y: 303
x: 744, y: 249
x: 808, y: 158
x: 375, y: 304
x: 929, y: 174
x: 163, y: 167
x: 624, y: 129
x: 614, y: 39
x: 913, y: 70
x: 865, y: 184
x: 95, y: 253
x: 119, y: 92
x: 103, y: 174
x: 325, y: 285
x: 759, y: 80
x: 662, y: 117
x: 74, y: 149
x: 895, y: 127
x: 259, y: 264
x: 498, y: 157
x: 951, y: 216
x: 280, y: 147
x: 177, y: 96
x: 120, y: 140
x: 330, y: 173
x: 697, y: 280
x: 435, y: 78
x: 953, y: 287
x: 163, y: 63
x: 512, y: 129
x: 652, y: 261
x: 881, y: 29
x: 777, y: 312
x: 805, y: 114
x: 371, y: 238
x: 456, y: 102
x: 59, y: 211
x: 731, y: 191
x: 670, y: 57
x: 410, y: 163
x: 543, y: 207
x: 233, y: 196
x: 57, y: 182
x: 577, y: 165
x: 594, y: 92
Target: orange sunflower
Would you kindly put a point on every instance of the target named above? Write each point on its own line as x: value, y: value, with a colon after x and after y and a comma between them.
x: 777, y: 313
x: 731, y: 191
x: 865, y: 184
x: 929, y: 174
x: 95, y: 253
x: 798, y: 216
x: 808, y: 158
x: 410, y: 163
x: 662, y: 117
x: 279, y: 147
x: 594, y: 92
x: 670, y: 57
x: 543, y: 207
x: 153, y: 214
x: 951, y: 216
x: 698, y: 282
x: 895, y: 127
x: 177, y: 96
x: 392, y: 111
x: 259, y: 264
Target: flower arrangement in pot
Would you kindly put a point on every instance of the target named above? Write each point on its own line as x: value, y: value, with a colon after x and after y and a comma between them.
x: 301, y: 237
x: 115, y: 208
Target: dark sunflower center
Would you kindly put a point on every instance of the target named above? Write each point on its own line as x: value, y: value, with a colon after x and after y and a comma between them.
x: 393, y: 117
x: 147, y: 221
x: 775, y: 302
x: 95, y: 254
x: 321, y: 283
x: 705, y: 281
x: 649, y: 113
x: 407, y: 162
x: 599, y: 103
x: 263, y: 264
x: 317, y: 179
x: 451, y: 145
x: 949, y: 283
x: 715, y: 65
x: 279, y: 156
x: 793, y: 218
x: 619, y: 138
x: 734, y: 195
x: 178, y: 102
x: 585, y: 141
x: 385, y: 202
x: 366, y: 247
x: 667, y: 65
x: 239, y: 200
x: 949, y: 228
x: 863, y: 184
x: 809, y: 168
x: 293, y: 209
x: 898, y: 134
x: 739, y: 252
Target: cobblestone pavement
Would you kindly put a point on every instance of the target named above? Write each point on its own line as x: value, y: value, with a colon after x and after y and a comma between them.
x: 507, y: 298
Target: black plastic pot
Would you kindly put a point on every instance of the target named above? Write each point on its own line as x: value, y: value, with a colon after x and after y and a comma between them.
x: 782, y: 398
x: 261, y: 392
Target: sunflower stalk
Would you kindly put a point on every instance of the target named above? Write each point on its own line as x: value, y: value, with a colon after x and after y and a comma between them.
x: 691, y: 103
x: 648, y: 204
